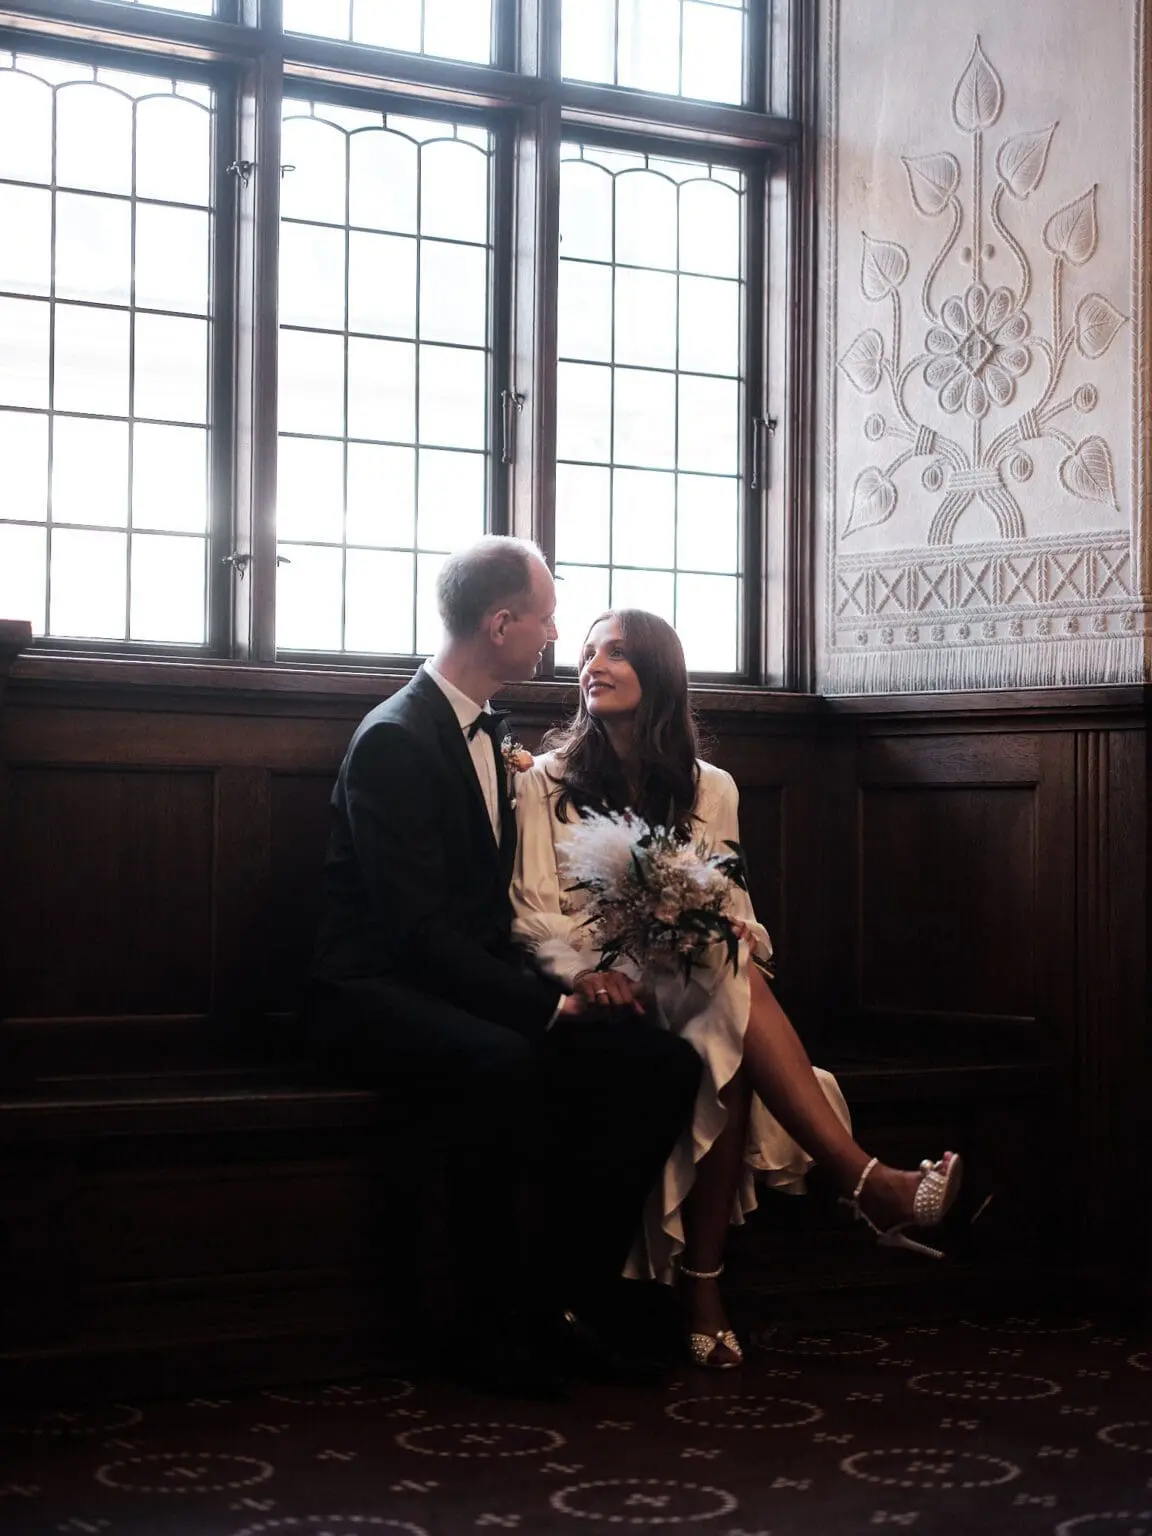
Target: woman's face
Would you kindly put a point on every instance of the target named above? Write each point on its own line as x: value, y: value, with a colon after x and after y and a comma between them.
x: 608, y: 681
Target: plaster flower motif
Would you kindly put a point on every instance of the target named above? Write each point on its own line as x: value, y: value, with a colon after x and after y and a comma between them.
x: 979, y: 352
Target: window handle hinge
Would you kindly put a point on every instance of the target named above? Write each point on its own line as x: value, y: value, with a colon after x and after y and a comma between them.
x: 238, y: 562
x: 242, y: 170
x: 762, y: 426
x: 512, y: 405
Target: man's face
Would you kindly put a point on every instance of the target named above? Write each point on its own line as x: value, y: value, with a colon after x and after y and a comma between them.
x: 529, y: 627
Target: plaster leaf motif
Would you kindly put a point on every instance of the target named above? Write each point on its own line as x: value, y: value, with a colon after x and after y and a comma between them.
x: 1022, y: 161
x: 884, y: 268
x: 873, y: 500
x: 979, y: 94
x: 932, y: 180
x: 1097, y: 322
x: 863, y: 363
x: 1088, y: 472
x: 1072, y: 231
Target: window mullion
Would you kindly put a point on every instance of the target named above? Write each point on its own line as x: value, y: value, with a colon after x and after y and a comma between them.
x: 223, y: 382
x: 537, y: 224
x: 756, y: 408
x: 257, y: 192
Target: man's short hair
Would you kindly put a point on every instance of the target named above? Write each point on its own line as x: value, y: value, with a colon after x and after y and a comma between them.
x: 495, y: 572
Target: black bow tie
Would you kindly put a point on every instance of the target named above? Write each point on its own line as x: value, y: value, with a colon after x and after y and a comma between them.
x: 491, y: 721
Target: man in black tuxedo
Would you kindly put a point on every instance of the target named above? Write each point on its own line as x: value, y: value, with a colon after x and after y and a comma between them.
x: 566, y: 1118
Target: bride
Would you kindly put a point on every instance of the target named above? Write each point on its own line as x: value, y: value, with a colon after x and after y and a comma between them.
x: 632, y: 745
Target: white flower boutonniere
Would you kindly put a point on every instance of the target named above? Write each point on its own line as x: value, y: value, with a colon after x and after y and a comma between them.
x: 517, y: 759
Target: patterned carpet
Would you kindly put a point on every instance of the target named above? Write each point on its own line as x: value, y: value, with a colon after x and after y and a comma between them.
x: 996, y: 1425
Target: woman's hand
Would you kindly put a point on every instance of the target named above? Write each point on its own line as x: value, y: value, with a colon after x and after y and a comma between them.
x: 741, y: 930
x: 606, y: 990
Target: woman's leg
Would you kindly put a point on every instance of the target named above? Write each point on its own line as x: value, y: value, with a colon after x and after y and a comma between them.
x: 707, y: 1211
x: 781, y: 1074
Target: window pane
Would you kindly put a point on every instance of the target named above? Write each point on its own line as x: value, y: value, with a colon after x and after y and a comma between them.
x: 445, y: 29
x: 380, y: 603
x: 24, y: 455
x: 384, y: 397
x: 310, y: 490
x: 89, y: 586
x: 690, y: 48
x: 381, y: 495
x: 648, y: 441
x: 26, y: 239
x: 582, y: 592
x: 167, y: 589
x: 708, y: 621
x: 90, y: 472
x: 23, y: 573
x: 170, y: 478
x: 98, y: 371
x: 309, y: 598
x: 427, y: 613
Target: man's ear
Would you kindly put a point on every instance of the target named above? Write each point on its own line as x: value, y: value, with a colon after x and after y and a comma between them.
x: 498, y: 624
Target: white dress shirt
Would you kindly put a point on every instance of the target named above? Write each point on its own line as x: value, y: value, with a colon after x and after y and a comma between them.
x: 481, y: 748
x: 483, y: 754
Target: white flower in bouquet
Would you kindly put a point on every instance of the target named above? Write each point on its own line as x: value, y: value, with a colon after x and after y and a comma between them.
x: 651, y: 896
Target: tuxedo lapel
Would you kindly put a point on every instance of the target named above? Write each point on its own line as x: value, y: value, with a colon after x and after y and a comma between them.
x: 455, y: 749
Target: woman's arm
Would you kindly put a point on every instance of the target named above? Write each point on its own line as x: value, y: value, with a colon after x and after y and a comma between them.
x: 558, y: 941
x: 722, y: 825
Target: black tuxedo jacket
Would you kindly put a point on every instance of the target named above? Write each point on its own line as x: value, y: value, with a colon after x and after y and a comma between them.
x: 416, y: 888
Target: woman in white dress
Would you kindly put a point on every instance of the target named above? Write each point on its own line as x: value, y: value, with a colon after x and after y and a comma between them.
x: 632, y: 745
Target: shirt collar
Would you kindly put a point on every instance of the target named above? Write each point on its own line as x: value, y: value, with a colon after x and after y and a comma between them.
x: 464, y: 708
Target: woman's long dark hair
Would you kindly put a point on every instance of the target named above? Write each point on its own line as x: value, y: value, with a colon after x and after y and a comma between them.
x: 666, y: 743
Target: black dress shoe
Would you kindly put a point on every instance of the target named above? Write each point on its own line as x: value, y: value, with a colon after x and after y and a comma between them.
x: 495, y: 1361
x: 585, y: 1351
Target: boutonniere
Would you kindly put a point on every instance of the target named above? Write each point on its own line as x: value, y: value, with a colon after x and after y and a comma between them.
x: 517, y: 759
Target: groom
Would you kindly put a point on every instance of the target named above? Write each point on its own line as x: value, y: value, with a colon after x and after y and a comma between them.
x: 562, y: 1121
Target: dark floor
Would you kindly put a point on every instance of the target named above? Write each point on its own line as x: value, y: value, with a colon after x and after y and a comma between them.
x: 990, y: 1425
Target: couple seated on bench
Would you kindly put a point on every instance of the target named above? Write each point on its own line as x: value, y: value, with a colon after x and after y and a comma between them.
x: 615, y: 1116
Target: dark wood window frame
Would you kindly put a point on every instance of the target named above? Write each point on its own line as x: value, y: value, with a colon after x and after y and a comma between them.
x: 252, y: 61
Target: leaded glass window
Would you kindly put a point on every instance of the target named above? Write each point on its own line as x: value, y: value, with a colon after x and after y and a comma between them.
x: 106, y: 198
x: 678, y: 47
x: 649, y: 396
x: 298, y: 296
x: 384, y: 365
x: 447, y: 29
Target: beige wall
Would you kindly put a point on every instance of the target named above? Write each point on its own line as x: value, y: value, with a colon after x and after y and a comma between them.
x: 980, y: 418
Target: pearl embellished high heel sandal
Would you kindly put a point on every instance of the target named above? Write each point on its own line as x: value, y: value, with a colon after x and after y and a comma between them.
x: 937, y: 1190
x: 703, y: 1346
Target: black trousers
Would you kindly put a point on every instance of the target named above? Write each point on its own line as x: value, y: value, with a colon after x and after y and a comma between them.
x: 555, y: 1140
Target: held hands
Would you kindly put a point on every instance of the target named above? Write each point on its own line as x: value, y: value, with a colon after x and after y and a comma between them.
x: 597, y: 991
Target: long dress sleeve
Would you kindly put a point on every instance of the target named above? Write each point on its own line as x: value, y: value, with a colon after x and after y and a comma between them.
x: 556, y: 938
x: 719, y: 812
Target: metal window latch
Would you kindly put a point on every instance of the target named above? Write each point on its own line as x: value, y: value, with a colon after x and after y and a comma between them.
x: 242, y: 170
x: 238, y: 562
x: 512, y: 405
x: 761, y: 426
x: 283, y: 560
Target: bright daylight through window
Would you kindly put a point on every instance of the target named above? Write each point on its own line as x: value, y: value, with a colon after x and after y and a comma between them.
x: 105, y: 247
x: 296, y: 300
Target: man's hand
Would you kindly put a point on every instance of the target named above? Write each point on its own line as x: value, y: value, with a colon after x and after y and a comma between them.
x: 607, y: 990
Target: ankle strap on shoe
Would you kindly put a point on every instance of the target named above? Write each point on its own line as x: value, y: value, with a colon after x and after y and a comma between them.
x: 701, y: 1274
x: 863, y: 1179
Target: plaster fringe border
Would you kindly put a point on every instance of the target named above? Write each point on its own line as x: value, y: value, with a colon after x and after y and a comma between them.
x: 1036, y: 664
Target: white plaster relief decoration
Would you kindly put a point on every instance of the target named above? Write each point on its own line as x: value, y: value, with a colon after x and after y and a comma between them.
x: 1011, y: 560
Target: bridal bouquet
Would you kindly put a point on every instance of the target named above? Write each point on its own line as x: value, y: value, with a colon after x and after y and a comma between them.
x: 651, y: 897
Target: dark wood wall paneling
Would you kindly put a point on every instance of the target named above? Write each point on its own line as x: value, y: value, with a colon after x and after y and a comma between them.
x: 956, y: 886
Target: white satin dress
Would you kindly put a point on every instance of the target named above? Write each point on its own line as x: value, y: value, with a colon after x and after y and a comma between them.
x: 710, y: 1010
